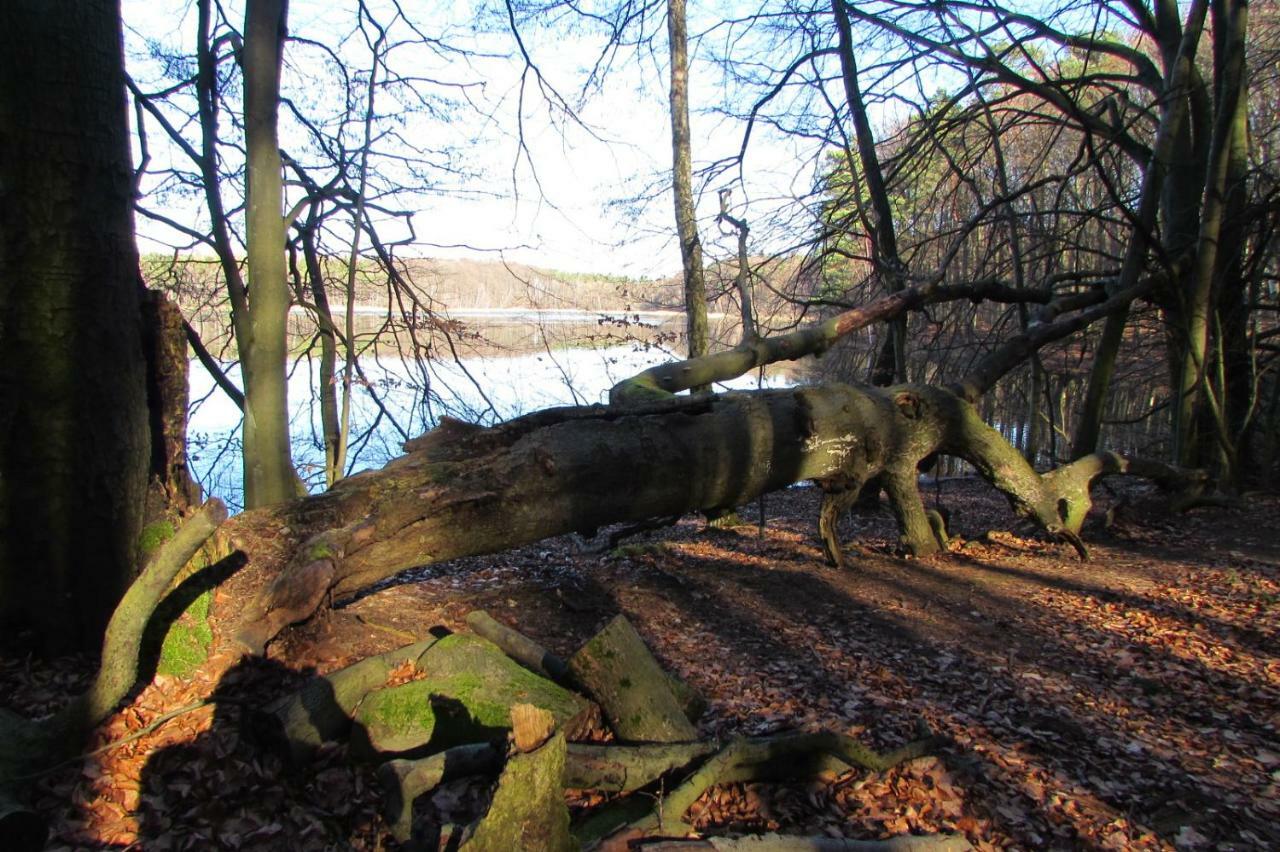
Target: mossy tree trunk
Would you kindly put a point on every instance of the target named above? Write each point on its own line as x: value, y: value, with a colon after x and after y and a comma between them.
x: 73, y: 405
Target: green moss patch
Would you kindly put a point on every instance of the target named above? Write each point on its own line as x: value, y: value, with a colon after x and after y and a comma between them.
x: 186, y: 645
x: 465, y: 698
x: 153, y: 535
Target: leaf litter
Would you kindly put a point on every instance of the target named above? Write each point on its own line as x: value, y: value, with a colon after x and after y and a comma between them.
x: 1132, y: 702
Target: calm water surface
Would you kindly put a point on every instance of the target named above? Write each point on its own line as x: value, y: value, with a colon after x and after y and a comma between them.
x: 548, y: 359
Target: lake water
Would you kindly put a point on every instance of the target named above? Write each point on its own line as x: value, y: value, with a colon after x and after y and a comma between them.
x: 545, y: 358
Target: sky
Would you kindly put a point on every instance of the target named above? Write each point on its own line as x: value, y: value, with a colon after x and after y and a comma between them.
x: 562, y: 202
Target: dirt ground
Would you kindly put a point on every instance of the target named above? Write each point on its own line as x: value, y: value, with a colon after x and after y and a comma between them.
x: 1129, y: 702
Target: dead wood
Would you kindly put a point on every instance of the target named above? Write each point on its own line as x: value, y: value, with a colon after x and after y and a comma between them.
x: 754, y: 758
x: 466, y: 695
x: 519, y: 647
x: 539, y: 660
x: 618, y: 671
x: 528, y: 809
x: 321, y: 710
x: 403, y: 781
x: 621, y: 769
x: 466, y: 492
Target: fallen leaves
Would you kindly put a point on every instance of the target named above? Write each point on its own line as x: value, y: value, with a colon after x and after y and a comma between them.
x: 1129, y: 703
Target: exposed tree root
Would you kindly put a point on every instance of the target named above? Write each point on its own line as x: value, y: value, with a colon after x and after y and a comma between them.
x: 28, y: 747
x: 786, y: 843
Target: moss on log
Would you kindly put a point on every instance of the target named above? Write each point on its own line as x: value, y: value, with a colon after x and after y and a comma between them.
x: 466, y: 697
x: 538, y: 659
x: 528, y: 809
x: 617, y: 670
x: 321, y: 710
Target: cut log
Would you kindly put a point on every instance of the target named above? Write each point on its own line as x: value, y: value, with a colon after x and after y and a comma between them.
x: 466, y: 697
x: 621, y: 769
x: 403, y: 781
x: 617, y: 670
x: 321, y: 710
x: 528, y: 809
x: 536, y: 658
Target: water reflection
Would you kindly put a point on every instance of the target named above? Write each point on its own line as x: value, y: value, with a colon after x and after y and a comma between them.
x: 505, y: 365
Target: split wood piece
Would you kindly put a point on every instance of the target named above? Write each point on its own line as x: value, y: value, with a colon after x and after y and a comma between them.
x: 466, y: 697
x: 785, y: 843
x: 528, y: 809
x: 403, y: 781
x: 616, y: 668
x: 538, y: 659
x: 767, y: 755
x: 531, y: 726
x: 321, y: 710
x: 27, y: 747
x: 621, y: 769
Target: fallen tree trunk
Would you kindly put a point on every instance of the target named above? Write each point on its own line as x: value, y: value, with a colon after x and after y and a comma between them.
x: 464, y: 490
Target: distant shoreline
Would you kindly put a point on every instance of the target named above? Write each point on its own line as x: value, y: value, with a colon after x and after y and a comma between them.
x: 538, y: 314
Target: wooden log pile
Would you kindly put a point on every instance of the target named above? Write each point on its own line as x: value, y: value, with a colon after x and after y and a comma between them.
x: 496, y: 705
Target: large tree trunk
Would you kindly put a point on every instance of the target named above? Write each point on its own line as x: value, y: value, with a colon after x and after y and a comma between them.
x: 73, y: 407
x: 269, y: 476
x: 465, y: 490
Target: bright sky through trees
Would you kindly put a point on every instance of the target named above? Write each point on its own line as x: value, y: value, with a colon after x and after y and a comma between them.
x: 568, y: 200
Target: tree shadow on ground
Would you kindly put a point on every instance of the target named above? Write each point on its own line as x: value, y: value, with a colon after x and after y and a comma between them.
x: 231, y: 787
x: 755, y: 613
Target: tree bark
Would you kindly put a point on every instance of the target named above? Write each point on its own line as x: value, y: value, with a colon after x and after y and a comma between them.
x: 618, y: 671
x: 695, y: 288
x: 170, y: 489
x: 269, y: 476
x: 463, y: 490
x: 73, y: 407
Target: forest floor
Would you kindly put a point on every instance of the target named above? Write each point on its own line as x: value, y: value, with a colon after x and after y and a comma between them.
x: 1129, y: 702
